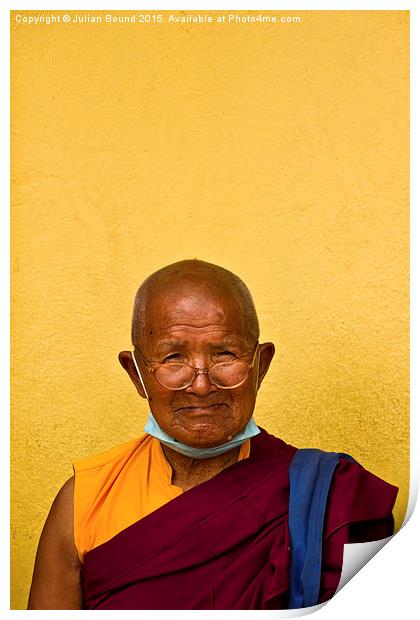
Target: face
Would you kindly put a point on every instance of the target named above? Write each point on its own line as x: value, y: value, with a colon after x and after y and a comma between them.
x: 199, y: 326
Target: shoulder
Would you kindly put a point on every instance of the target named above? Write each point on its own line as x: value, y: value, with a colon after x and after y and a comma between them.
x: 266, y: 446
x: 65, y: 495
x: 356, y: 495
x: 117, y: 453
x: 61, y: 511
x: 57, y: 534
x: 353, y: 488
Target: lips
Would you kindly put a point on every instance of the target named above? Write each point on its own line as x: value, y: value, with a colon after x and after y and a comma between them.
x: 200, y: 408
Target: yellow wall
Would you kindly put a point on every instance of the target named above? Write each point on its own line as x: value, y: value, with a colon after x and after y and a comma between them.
x: 277, y: 151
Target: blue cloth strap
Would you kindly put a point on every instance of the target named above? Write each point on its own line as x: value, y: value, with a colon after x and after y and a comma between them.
x: 310, y: 475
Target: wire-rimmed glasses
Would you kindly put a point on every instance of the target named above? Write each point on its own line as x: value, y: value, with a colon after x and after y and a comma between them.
x: 179, y: 376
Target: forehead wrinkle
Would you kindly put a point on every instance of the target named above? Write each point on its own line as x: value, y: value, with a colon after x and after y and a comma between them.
x: 164, y: 338
x: 166, y: 329
x: 171, y: 343
x: 224, y: 338
x: 188, y: 308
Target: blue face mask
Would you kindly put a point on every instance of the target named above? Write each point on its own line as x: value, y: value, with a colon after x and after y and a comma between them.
x: 153, y: 428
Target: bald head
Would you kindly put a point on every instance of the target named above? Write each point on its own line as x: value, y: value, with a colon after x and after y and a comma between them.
x: 189, y: 276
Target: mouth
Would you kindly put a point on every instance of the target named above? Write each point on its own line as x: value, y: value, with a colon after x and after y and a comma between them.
x: 201, y: 409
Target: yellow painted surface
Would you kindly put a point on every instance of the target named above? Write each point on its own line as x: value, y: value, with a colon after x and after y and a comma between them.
x: 277, y: 151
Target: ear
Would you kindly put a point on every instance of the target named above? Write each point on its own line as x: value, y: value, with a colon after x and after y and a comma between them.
x: 127, y: 363
x: 267, y: 350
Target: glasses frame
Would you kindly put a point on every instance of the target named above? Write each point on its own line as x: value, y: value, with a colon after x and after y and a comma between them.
x: 200, y: 371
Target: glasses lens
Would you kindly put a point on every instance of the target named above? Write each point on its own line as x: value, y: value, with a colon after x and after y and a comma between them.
x: 174, y: 376
x: 229, y: 374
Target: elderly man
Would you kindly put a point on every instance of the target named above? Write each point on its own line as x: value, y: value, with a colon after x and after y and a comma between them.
x: 205, y: 510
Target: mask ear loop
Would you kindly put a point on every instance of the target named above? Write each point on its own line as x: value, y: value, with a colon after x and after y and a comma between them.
x: 139, y: 374
x: 259, y: 360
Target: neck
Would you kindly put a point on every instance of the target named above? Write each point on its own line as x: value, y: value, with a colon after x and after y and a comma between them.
x: 188, y: 472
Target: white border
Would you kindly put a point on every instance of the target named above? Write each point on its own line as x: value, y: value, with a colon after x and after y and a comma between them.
x: 388, y: 584
x: 5, y: 312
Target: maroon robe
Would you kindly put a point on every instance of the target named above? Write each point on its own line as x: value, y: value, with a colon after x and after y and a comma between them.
x: 224, y: 544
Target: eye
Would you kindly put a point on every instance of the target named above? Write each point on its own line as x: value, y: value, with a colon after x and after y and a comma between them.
x: 173, y: 357
x: 226, y: 354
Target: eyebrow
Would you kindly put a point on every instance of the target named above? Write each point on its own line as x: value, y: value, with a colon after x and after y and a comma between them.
x: 171, y: 344
x: 229, y: 341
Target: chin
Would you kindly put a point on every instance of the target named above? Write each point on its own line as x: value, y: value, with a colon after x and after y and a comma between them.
x: 205, y: 436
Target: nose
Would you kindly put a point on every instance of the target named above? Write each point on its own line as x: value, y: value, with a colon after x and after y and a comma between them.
x: 201, y: 385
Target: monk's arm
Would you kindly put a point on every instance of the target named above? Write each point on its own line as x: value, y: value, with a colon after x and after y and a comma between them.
x: 56, y: 579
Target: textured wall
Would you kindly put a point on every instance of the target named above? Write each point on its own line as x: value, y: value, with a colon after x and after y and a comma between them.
x: 279, y: 152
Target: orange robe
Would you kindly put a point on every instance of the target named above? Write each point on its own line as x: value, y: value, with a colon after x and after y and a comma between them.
x: 118, y: 487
